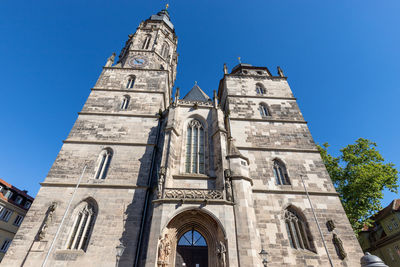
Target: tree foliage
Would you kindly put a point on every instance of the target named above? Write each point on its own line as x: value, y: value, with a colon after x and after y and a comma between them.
x: 359, y: 175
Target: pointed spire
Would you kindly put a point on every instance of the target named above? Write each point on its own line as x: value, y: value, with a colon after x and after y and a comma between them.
x: 177, y: 95
x: 225, y: 69
x: 280, y: 72
x: 215, y: 99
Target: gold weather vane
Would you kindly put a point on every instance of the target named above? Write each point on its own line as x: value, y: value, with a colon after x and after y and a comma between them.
x: 166, y: 6
x: 240, y: 62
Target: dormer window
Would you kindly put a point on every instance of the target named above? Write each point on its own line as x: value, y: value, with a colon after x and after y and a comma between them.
x: 18, y: 200
x: 8, y: 194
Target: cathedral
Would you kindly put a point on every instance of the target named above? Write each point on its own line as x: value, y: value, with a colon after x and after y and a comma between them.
x: 149, y: 177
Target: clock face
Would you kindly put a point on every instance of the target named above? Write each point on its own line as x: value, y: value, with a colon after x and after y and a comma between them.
x: 137, y: 62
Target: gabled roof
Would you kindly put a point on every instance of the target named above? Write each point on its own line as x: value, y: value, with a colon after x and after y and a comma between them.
x: 196, y: 94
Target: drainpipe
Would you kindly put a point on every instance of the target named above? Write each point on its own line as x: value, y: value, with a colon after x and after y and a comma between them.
x: 316, y: 220
x: 147, y: 197
x: 63, y: 218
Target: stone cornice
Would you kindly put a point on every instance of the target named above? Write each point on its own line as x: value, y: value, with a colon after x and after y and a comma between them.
x: 242, y: 178
x: 118, y: 114
x: 130, y: 68
x: 263, y: 97
x: 263, y: 77
x: 105, y: 143
x: 302, y: 150
x: 295, y: 192
x: 267, y: 120
x: 127, y: 91
x: 94, y: 185
x: 194, y: 201
x: 192, y: 176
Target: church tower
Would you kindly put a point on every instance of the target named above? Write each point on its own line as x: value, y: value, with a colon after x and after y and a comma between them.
x: 94, y: 195
x: 147, y: 178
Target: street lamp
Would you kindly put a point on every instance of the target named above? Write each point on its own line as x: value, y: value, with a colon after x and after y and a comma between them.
x: 264, y: 257
x: 120, y: 250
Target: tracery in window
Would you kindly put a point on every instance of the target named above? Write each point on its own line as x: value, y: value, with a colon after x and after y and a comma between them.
x: 131, y: 81
x: 165, y: 50
x: 195, y: 147
x: 125, y: 102
x: 104, y: 163
x: 297, y: 231
x: 146, y: 42
x: 280, y: 173
x: 260, y: 90
x: 264, y: 111
x: 82, y: 227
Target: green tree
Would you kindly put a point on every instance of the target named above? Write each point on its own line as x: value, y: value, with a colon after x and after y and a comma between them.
x: 359, y: 175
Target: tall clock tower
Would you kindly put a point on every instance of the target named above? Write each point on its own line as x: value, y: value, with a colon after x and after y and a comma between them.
x: 152, y: 47
x: 94, y: 196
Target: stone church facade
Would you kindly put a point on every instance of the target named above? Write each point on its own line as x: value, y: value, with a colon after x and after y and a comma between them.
x: 185, y: 181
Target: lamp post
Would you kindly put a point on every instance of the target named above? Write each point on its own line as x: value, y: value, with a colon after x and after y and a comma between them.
x: 120, y: 250
x: 264, y: 257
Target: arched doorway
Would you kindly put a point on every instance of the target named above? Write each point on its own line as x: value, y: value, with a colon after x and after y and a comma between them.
x: 192, y: 250
x: 193, y: 238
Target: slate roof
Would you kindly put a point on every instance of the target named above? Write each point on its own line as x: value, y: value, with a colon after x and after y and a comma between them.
x: 196, y: 94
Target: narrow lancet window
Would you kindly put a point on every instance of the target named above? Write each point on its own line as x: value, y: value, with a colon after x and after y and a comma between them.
x: 82, y: 228
x: 131, y: 82
x: 165, y: 50
x: 264, y: 111
x: 280, y: 173
x: 260, y: 90
x: 104, y: 163
x: 146, y: 42
x: 195, y: 148
x: 125, y: 102
x: 297, y: 231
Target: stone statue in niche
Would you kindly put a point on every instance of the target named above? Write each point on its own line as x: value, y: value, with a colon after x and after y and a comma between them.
x: 164, y: 251
x: 221, y: 253
x: 48, y: 218
x: 110, y: 60
x: 161, y: 179
x: 339, y: 246
x: 228, y: 189
x: 330, y: 225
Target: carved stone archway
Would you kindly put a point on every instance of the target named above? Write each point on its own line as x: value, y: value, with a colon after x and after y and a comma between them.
x: 201, y: 222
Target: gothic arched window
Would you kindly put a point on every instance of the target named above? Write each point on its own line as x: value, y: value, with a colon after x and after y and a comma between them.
x: 146, y: 42
x: 297, y: 230
x: 280, y: 173
x: 131, y: 81
x: 165, y: 50
x: 260, y: 90
x: 82, y: 227
x: 195, y: 148
x: 125, y: 102
x: 104, y: 163
x: 264, y: 111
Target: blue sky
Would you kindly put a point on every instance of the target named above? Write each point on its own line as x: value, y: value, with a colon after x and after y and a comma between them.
x: 341, y: 58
